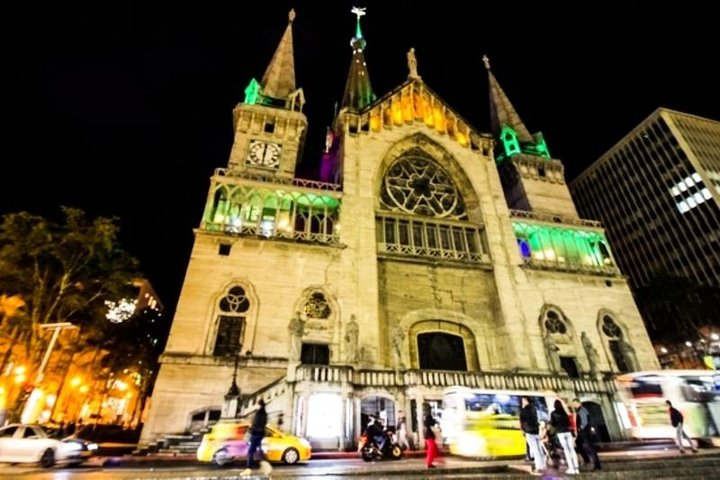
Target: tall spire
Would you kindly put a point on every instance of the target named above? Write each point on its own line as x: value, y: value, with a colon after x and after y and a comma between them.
x: 279, y: 78
x: 502, y: 113
x: 358, y: 91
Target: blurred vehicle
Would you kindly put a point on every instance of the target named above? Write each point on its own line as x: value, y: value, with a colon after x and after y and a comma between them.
x: 485, y: 423
x: 21, y: 443
x: 644, y: 414
x: 228, y: 442
x: 109, y: 439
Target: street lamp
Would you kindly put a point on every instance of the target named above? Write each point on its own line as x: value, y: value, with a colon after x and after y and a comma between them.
x: 231, y: 401
x: 31, y: 411
x: 56, y: 328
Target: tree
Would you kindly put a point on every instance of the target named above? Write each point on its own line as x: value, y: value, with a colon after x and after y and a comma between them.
x: 63, y: 272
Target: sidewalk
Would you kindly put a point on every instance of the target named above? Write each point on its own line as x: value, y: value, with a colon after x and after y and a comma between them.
x: 615, y: 451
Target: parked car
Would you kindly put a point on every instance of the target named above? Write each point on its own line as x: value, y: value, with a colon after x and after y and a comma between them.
x: 228, y: 442
x: 20, y: 443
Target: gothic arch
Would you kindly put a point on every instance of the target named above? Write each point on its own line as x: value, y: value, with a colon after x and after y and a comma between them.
x: 558, y: 334
x: 550, y: 320
x: 219, y: 305
x: 616, y: 342
x: 311, y: 304
x: 322, y: 313
x: 421, y: 144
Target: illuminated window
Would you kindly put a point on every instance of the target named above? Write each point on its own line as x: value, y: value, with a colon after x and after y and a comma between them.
x: 317, y: 306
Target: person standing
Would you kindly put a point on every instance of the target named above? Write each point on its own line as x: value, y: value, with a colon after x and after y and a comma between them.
x: 582, y: 421
x: 676, y: 419
x: 531, y: 427
x: 560, y: 421
x: 402, y: 433
x: 257, y: 432
x: 431, y: 450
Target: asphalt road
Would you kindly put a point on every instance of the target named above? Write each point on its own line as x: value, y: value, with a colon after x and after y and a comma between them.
x: 638, y: 463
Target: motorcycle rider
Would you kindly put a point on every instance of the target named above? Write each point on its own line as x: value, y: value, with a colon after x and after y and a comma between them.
x: 376, y: 432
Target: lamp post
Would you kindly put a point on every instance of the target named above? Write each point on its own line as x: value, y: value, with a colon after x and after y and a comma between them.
x: 31, y: 411
x: 231, y: 401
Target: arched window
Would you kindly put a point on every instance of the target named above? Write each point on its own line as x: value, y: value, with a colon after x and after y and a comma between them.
x: 620, y: 349
x: 553, y: 323
x: 231, y: 322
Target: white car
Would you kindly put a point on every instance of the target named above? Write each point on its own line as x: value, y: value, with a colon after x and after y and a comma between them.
x: 30, y: 443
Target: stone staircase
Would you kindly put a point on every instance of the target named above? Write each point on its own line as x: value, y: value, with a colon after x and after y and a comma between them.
x: 173, y: 445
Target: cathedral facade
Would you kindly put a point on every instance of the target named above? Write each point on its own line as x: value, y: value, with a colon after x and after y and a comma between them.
x: 427, y: 255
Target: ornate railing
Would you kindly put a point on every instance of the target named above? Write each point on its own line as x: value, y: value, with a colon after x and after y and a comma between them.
x: 444, y: 378
x: 554, y: 218
x: 297, y: 182
x: 611, y: 270
x: 332, y: 238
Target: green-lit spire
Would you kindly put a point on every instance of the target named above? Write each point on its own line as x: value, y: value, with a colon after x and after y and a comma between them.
x: 359, y: 12
x: 507, y: 126
x: 358, y: 91
x: 279, y: 79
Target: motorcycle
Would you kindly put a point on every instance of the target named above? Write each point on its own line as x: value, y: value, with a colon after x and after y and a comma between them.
x: 369, y: 450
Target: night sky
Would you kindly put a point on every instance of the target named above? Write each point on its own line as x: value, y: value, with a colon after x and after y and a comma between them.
x: 124, y: 109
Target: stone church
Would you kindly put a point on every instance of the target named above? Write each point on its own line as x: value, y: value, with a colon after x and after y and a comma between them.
x: 426, y: 254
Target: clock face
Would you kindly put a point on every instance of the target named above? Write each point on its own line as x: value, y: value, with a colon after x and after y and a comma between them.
x: 264, y: 154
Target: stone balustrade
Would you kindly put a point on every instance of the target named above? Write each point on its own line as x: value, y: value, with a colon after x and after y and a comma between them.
x: 443, y: 378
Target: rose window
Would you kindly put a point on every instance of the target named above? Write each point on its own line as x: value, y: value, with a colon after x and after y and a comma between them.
x: 416, y: 184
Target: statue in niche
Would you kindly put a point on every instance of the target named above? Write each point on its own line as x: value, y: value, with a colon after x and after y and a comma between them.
x: 591, y: 354
x: 552, y: 351
x: 628, y: 353
x: 352, y: 332
x: 296, y: 330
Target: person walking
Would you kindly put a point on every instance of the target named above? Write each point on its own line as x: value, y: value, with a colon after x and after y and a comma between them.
x: 585, y: 434
x: 402, y: 433
x: 531, y: 427
x: 560, y: 421
x: 676, y: 419
x: 431, y: 450
x: 257, y: 432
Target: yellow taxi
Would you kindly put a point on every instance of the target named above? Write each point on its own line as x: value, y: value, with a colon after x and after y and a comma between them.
x: 229, y: 441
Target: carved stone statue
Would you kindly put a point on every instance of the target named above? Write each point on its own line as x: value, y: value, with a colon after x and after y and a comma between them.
x: 351, y: 340
x: 412, y: 64
x: 591, y: 354
x: 398, y: 339
x: 628, y: 353
x: 296, y: 330
x: 552, y: 351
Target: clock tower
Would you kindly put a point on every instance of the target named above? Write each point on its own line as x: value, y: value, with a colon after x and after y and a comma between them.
x: 269, y: 125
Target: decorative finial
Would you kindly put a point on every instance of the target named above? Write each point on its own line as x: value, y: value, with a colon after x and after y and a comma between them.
x: 486, y: 61
x: 412, y: 64
x: 291, y: 15
x: 358, y: 11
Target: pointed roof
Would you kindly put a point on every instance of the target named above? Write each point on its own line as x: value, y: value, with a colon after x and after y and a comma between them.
x: 358, y: 91
x: 501, y: 110
x: 279, y: 78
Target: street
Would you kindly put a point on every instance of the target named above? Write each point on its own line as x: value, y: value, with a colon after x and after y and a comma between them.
x: 660, y: 463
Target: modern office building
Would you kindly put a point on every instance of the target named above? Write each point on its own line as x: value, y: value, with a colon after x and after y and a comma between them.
x: 427, y: 255
x: 658, y: 193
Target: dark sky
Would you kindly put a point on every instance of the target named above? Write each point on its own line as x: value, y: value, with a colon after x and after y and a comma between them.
x: 124, y: 109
